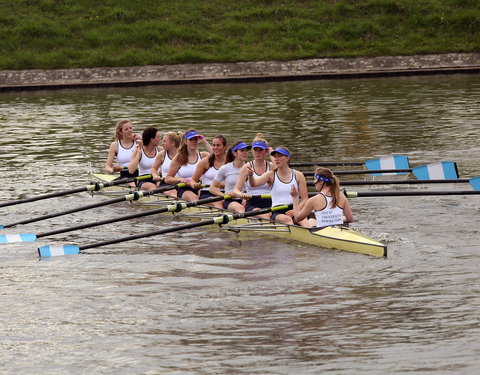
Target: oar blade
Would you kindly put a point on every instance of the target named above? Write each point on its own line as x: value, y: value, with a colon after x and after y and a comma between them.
x: 444, y: 170
x: 475, y: 183
x: 388, y: 162
x: 58, y: 250
x: 22, y: 237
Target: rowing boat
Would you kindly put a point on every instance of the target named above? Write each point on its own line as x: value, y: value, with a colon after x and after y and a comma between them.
x: 339, y: 237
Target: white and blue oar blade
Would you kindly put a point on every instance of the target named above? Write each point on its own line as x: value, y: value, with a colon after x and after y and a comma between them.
x: 444, y: 170
x: 22, y: 237
x: 388, y: 162
x: 58, y: 250
x: 475, y: 183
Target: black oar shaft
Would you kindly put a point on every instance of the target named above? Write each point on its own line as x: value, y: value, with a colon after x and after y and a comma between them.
x: 400, y: 182
x: 362, y: 171
x: 170, y: 208
x: 91, y: 187
x: 222, y: 219
x: 129, y: 197
x: 328, y: 164
x: 78, y: 209
x: 352, y: 194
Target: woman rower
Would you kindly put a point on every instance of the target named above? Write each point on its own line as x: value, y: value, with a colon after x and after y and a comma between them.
x: 237, y: 155
x: 207, y: 169
x: 280, y: 181
x: 143, y: 157
x: 185, y: 162
x: 121, y: 149
x: 259, y: 166
x: 331, y: 207
x: 170, y: 143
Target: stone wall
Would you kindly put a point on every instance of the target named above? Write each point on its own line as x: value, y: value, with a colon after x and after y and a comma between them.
x: 242, y: 71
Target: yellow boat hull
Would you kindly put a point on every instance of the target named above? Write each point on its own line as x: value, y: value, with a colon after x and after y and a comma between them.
x: 333, y: 237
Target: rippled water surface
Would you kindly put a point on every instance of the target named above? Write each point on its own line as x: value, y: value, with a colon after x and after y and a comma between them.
x: 206, y: 302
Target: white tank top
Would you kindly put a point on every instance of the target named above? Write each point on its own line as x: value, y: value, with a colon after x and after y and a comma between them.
x: 258, y: 190
x: 281, y: 190
x: 165, y: 165
x: 124, y: 154
x: 145, y: 163
x: 187, y: 170
x: 329, y: 215
x: 208, y: 176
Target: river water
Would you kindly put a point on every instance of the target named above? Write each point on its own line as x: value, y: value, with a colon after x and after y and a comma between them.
x: 209, y: 302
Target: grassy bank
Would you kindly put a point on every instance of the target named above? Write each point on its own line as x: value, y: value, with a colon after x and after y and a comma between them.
x: 86, y: 33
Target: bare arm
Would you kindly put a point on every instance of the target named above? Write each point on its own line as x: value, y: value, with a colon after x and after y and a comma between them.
x: 112, y: 151
x: 157, y: 164
x: 172, y: 171
x: 201, y: 168
x: 215, y: 188
x: 207, y: 145
x: 259, y: 181
x: 301, y: 213
x: 302, y: 186
x: 135, y: 159
x: 347, y: 212
x: 242, y: 177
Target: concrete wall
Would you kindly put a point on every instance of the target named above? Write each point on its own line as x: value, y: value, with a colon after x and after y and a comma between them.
x: 242, y: 71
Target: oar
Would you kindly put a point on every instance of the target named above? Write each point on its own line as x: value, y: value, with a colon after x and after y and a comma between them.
x: 56, y: 250
x: 385, y: 162
x: 174, y: 207
x: 129, y: 197
x: 353, y: 194
x: 92, y: 187
x: 399, y: 182
x: 442, y: 170
x: 474, y: 182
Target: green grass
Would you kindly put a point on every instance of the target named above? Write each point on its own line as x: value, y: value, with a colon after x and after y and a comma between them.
x: 89, y: 33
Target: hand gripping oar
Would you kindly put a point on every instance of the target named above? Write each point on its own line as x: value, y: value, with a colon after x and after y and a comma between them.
x: 129, y: 197
x: 442, y: 170
x: 474, y: 182
x: 385, y: 162
x: 92, y: 187
x: 174, y: 207
x: 56, y: 250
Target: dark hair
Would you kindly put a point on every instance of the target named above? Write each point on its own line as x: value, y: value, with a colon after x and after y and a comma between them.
x: 211, y: 158
x: 334, y: 184
x: 230, y: 157
x: 148, y: 134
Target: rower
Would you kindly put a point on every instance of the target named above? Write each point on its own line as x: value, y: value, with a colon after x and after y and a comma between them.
x: 143, y: 157
x: 237, y: 155
x: 280, y: 181
x: 208, y: 167
x: 330, y: 206
x: 185, y: 162
x: 121, y: 150
x: 170, y: 143
x: 259, y: 166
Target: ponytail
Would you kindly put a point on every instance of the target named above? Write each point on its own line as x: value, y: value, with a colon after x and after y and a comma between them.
x: 332, y: 181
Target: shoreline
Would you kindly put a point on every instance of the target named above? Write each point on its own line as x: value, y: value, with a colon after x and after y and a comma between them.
x: 258, y: 71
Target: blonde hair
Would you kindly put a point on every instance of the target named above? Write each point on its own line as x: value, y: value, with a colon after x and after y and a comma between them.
x: 175, y: 137
x: 260, y: 137
x: 119, y: 128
